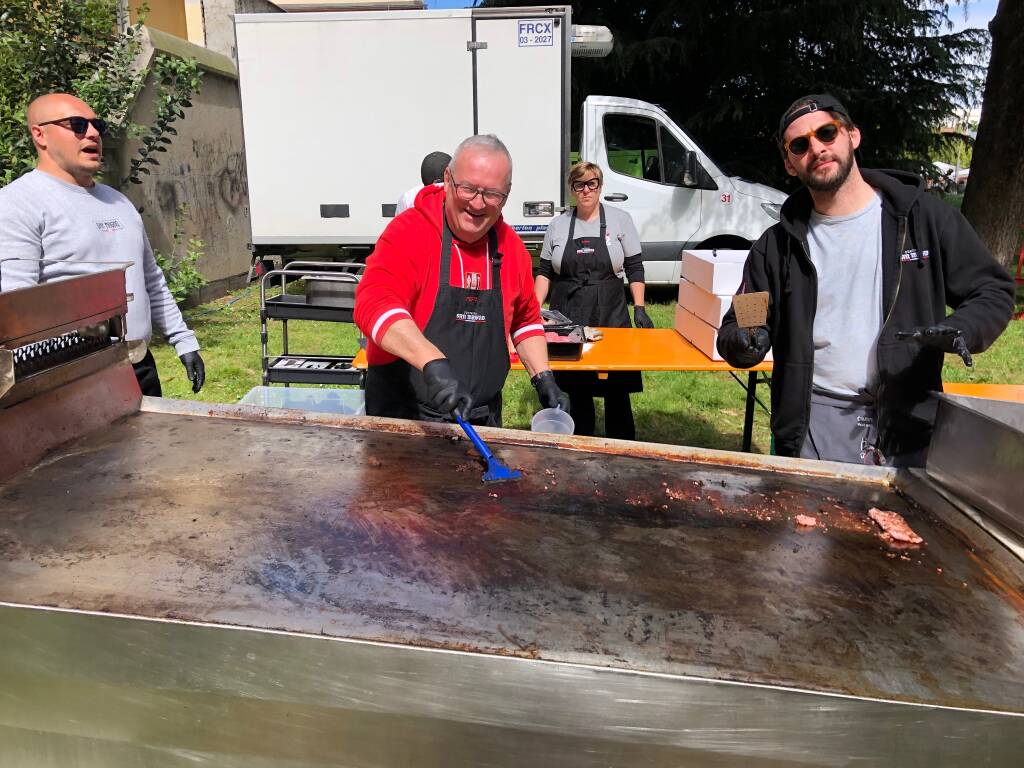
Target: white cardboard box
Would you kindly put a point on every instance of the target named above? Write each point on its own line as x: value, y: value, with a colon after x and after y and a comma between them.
x: 707, y: 306
x: 717, y: 272
x: 700, y: 334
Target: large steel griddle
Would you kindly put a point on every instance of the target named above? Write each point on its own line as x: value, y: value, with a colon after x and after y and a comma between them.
x: 233, y: 586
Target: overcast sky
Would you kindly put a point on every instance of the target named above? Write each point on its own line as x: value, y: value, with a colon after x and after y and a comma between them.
x: 978, y: 12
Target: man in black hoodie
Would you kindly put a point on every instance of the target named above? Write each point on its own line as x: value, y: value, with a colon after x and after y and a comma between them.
x: 859, y: 272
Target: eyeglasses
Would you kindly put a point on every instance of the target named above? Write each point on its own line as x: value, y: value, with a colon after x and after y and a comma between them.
x: 826, y: 133
x: 79, y: 125
x: 591, y: 184
x: 468, y: 192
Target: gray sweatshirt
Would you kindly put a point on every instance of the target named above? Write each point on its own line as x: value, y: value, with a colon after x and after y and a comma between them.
x: 42, y: 217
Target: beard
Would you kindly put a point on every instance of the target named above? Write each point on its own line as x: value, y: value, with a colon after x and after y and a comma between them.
x: 834, y: 181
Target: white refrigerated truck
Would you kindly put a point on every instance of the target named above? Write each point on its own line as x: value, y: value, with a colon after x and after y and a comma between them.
x: 340, y: 108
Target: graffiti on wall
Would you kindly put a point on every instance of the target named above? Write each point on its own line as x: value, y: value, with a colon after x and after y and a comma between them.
x: 231, y: 185
x: 208, y: 181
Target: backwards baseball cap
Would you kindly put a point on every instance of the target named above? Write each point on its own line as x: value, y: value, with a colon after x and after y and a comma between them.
x: 805, y: 105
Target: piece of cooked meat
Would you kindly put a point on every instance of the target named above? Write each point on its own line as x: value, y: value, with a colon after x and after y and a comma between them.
x: 894, y: 526
x: 807, y: 520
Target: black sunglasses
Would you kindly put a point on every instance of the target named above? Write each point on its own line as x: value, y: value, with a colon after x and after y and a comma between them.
x: 825, y: 133
x: 79, y: 125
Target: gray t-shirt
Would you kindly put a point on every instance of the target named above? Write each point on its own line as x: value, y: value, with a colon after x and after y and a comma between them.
x: 847, y: 255
x: 42, y: 217
x: 620, y: 236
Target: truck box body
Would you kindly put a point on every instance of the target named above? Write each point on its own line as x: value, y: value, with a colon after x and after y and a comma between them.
x: 339, y: 110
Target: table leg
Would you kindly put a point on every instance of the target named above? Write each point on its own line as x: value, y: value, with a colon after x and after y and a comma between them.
x: 748, y: 416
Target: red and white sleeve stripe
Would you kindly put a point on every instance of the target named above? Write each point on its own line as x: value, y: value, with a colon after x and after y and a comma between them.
x: 385, y: 321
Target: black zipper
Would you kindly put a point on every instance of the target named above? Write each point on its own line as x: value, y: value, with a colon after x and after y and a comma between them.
x: 902, y: 237
x: 814, y: 313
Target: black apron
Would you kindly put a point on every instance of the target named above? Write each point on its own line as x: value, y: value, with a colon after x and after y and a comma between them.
x: 587, y: 291
x: 845, y: 429
x: 468, y: 326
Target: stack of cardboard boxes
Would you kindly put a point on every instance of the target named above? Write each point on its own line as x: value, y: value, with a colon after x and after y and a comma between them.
x: 709, y: 281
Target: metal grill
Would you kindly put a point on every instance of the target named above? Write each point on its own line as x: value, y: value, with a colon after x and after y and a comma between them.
x: 59, y: 332
x: 49, y: 353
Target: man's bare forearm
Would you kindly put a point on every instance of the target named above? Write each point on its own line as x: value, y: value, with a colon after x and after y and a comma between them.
x: 533, y: 352
x: 405, y: 340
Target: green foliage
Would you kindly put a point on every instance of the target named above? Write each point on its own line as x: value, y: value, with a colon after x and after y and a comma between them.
x: 954, y: 150
x: 177, y: 80
x: 77, y: 46
x: 726, y: 70
x: 48, y: 46
x: 182, y: 272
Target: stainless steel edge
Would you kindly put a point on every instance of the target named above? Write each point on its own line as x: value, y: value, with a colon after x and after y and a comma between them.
x: 940, y: 499
x: 61, y: 375
x: 828, y: 469
x: 977, y: 449
x: 94, y: 691
x: 6, y: 371
x: 44, y: 311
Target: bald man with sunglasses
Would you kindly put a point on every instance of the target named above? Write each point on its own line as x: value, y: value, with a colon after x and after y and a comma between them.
x: 57, y: 222
x: 859, y: 272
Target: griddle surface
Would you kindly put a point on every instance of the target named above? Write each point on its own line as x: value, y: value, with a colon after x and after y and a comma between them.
x: 631, y: 563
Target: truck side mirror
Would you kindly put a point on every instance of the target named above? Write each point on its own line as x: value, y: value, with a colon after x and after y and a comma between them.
x: 693, y: 174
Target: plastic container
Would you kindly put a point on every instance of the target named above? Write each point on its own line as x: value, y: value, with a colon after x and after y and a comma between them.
x: 553, y: 420
x: 348, y: 402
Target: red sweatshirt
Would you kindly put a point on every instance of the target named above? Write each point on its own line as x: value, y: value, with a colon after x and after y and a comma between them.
x: 401, y: 275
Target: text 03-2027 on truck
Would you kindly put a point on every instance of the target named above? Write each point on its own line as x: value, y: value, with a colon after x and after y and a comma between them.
x: 339, y: 109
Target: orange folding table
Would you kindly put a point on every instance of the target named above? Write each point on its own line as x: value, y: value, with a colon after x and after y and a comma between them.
x: 658, y: 349
x: 654, y: 349
x: 1011, y: 392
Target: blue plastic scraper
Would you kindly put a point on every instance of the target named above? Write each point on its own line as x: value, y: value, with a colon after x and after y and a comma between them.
x: 496, y: 472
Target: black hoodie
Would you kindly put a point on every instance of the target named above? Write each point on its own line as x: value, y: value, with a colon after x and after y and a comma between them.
x: 931, y: 259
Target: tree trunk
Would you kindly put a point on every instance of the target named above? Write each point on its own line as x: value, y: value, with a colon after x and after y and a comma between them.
x: 994, y: 200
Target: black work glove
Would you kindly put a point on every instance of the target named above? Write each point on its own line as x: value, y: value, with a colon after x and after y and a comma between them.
x: 945, y: 338
x: 194, y: 369
x: 641, y: 319
x: 746, y: 347
x: 548, y: 392
x: 446, y: 394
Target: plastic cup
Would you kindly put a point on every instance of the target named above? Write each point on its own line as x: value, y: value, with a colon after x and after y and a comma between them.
x: 553, y: 420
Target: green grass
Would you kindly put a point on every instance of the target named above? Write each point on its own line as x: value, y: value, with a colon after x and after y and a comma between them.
x: 700, y: 409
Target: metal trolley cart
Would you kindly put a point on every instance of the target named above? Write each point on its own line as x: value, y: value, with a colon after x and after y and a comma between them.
x: 330, y: 296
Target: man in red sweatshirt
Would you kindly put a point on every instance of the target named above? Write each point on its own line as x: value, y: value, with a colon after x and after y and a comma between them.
x: 437, y: 346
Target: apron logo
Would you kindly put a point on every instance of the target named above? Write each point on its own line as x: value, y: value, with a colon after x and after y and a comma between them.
x: 472, y: 281
x: 471, y: 317
x: 912, y: 255
x: 584, y: 250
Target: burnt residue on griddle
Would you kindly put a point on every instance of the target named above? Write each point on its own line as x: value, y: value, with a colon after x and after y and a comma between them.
x: 639, y: 563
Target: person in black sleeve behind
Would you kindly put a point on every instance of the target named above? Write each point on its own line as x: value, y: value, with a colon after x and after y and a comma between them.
x: 859, y: 272
x: 585, y: 254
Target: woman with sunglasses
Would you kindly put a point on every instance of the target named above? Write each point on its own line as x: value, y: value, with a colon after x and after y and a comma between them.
x: 586, y: 252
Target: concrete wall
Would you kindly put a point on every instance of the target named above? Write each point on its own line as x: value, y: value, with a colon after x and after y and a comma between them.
x: 204, y: 168
x: 218, y: 17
